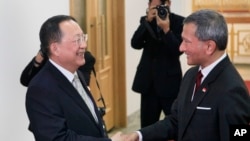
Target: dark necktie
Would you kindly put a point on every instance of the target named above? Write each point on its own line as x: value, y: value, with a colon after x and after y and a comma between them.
x: 198, y: 80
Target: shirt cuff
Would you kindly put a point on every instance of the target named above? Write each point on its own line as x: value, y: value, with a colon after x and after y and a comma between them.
x: 139, y: 134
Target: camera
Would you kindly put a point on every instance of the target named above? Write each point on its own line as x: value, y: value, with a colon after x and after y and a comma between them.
x: 102, y: 111
x: 162, y: 11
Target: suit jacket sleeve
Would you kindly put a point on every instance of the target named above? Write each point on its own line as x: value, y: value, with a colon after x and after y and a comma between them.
x: 29, y: 72
x: 173, y: 38
x: 137, y: 41
x: 162, y: 130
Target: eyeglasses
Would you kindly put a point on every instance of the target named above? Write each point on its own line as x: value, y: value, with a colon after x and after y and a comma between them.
x: 80, y: 39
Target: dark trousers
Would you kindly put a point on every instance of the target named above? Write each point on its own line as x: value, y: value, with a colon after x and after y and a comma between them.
x: 152, y: 106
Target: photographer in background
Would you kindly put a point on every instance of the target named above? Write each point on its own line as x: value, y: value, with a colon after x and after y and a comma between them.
x: 159, y: 74
x: 40, y: 59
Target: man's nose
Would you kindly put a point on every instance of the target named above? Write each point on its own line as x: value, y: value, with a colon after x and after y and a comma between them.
x: 181, y: 48
x: 83, y: 45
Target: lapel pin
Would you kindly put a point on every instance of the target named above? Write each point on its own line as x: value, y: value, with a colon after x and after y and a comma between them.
x: 204, y: 90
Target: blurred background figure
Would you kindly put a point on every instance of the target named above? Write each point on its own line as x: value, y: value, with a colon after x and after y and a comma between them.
x: 159, y: 73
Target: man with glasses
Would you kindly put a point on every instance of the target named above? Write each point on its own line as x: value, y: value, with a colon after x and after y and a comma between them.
x: 37, y: 62
x: 58, y: 103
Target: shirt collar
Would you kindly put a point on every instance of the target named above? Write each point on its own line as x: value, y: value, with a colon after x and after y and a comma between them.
x: 205, y: 71
x: 65, y: 72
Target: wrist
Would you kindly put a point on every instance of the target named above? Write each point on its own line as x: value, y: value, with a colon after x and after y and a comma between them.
x: 166, y: 30
x: 36, y: 64
x: 41, y: 53
x: 148, y: 19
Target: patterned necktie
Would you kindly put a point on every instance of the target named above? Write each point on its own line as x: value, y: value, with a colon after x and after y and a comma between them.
x: 78, y: 85
x: 198, y: 80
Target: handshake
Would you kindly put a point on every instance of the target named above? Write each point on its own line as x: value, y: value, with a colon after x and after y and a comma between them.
x: 119, y: 136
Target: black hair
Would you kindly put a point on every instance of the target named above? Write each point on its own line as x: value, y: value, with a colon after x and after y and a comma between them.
x: 162, y: 1
x: 211, y: 25
x: 50, y: 31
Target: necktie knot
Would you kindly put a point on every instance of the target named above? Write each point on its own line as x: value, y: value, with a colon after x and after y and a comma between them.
x: 76, y: 81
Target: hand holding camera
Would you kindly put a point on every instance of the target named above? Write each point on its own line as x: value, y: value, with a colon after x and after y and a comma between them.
x: 161, y: 13
x: 162, y: 17
x: 151, y: 13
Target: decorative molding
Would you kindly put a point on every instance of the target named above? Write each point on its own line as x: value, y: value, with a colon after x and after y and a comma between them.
x: 239, y: 44
x: 237, y: 15
x: 222, y: 5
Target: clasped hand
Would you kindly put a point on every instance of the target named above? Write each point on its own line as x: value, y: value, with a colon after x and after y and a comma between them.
x: 119, y: 136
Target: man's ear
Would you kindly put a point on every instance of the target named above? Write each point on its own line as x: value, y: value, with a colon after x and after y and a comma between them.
x: 54, y: 48
x: 211, y: 47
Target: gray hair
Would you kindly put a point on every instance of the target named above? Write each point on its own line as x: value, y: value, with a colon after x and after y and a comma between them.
x: 210, y: 26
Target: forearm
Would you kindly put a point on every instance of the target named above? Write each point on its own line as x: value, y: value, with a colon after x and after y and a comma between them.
x: 32, y: 68
x: 139, y: 35
x: 29, y: 72
x: 164, y: 129
x: 172, y: 42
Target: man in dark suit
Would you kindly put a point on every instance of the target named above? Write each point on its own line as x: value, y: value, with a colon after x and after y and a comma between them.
x: 57, y: 111
x: 158, y: 74
x: 221, y: 100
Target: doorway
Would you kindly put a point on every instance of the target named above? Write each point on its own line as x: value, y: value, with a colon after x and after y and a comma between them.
x: 103, y: 21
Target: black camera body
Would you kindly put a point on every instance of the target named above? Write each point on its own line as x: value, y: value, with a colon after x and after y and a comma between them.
x: 162, y: 11
x: 102, y: 111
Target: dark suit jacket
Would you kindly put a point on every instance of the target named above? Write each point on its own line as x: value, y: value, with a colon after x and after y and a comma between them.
x: 226, y: 98
x: 56, y: 110
x: 159, y: 66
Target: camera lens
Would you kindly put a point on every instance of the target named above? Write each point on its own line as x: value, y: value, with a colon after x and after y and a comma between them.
x: 162, y: 11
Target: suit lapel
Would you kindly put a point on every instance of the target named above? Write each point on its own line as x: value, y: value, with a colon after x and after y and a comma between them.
x: 72, y: 92
x: 100, y: 123
x: 89, y: 94
x: 212, y: 76
x: 188, y: 107
x: 69, y: 89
